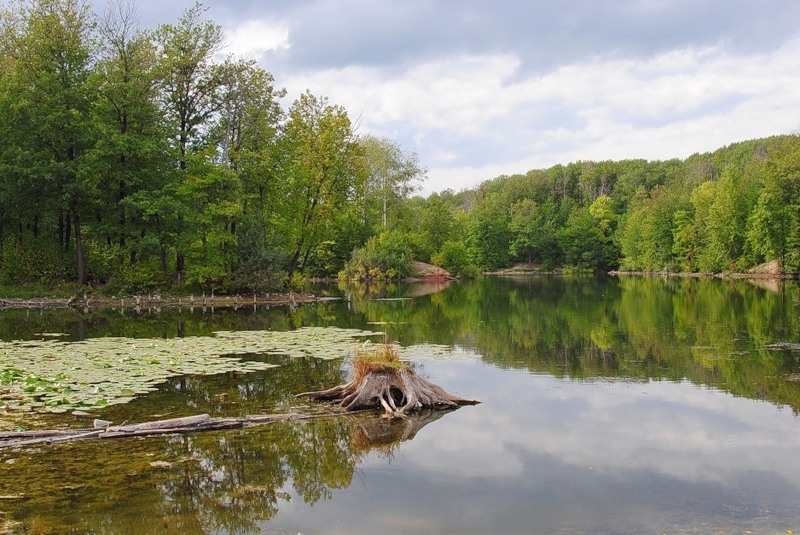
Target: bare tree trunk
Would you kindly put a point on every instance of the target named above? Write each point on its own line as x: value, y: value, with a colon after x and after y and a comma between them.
x: 79, y: 246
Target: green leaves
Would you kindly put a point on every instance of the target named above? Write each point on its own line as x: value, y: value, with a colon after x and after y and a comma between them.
x: 55, y: 376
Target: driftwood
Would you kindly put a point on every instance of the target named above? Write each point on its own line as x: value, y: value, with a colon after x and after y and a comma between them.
x: 188, y: 424
x: 395, y: 389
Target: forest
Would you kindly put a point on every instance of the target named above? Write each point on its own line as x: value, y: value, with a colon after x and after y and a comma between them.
x: 136, y: 159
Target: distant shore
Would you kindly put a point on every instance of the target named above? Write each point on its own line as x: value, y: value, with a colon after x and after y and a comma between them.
x: 756, y: 276
x: 768, y: 271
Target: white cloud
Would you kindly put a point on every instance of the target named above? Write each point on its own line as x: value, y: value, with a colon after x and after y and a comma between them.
x: 253, y: 38
x: 667, y: 106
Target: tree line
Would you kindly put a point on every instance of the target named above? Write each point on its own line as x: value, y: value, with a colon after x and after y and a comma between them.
x: 140, y: 159
x: 731, y: 210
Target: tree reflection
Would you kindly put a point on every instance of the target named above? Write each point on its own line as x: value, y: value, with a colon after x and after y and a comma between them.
x: 709, y: 331
x: 203, y: 483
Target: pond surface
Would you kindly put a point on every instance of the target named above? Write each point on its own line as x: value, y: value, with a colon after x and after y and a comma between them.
x: 617, y: 406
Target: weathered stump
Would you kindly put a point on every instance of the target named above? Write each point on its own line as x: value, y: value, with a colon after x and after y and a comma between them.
x: 382, y: 382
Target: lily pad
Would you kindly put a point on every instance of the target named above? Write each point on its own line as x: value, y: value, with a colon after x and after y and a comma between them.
x: 56, y: 376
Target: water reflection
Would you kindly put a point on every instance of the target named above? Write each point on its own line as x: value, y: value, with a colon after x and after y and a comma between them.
x: 547, y: 455
x: 609, y: 406
x: 203, y: 483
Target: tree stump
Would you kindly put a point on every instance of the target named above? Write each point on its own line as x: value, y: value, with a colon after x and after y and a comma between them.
x: 380, y: 380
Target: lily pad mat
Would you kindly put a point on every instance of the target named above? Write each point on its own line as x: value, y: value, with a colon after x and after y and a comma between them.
x: 57, y: 376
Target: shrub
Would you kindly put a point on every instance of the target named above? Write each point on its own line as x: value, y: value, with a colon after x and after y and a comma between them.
x: 38, y: 263
x: 454, y: 257
x: 384, y: 257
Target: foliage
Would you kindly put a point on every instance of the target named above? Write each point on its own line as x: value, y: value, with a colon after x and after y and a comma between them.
x: 369, y: 358
x: 454, y: 257
x: 384, y: 257
x: 393, y: 175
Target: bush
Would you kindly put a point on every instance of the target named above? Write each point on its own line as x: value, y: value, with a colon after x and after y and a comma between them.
x: 102, y: 260
x: 263, y: 262
x: 384, y: 257
x: 40, y: 263
x: 136, y: 278
x: 454, y: 257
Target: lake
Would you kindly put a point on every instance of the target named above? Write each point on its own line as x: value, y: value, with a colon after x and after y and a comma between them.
x: 609, y: 406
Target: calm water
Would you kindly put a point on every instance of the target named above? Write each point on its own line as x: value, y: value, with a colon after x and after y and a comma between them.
x: 609, y: 406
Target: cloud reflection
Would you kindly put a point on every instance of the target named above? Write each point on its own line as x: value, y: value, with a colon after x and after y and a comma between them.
x: 676, y: 430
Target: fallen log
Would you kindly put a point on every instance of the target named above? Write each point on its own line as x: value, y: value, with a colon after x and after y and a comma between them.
x: 183, y: 425
x: 381, y: 381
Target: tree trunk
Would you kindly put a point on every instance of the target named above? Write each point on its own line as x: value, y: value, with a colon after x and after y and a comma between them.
x: 79, y: 246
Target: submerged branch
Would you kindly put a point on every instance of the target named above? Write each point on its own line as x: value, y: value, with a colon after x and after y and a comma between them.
x: 188, y: 424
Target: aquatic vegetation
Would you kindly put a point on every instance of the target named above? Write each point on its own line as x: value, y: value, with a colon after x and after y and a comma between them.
x: 56, y: 376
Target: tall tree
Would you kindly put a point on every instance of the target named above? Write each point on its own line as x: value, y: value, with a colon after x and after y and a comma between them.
x: 526, y: 227
x: 131, y: 155
x: 393, y: 173
x: 188, y: 93
x: 324, y: 172
x: 50, y: 101
x: 488, y: 232
x: 774, y: 225
x: 246, y: 136
x: 248, y: 120
x: 187, y: 75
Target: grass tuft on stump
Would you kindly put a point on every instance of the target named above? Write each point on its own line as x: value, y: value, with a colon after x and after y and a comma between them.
x: 375, y: 359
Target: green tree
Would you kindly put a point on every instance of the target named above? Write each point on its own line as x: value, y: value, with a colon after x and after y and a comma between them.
x: 488, y: 232
x: 684, y: 241
x: 393, y: 173
x: 434, y: 225
x: 324, y: 172
x: 188, y: 85
x: 646, y: 235
x: 188, y: 77
x: 454, y: 257
x: 526, y: 227
x: 212, y: 195
x: 47, y: 100
x: 603, y: 211
x: 702, y: 199
x: 774, y: 225
x: 385, y: 256
x: 248, y: 126
x: 131, y: 155
x: 582, y: 242
x: 245, y: 135
x: 733, y: 202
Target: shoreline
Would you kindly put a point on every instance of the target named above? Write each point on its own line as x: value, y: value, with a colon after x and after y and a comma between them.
x: 738, y: 276
x: 86, y: 302
x: 158, y: 302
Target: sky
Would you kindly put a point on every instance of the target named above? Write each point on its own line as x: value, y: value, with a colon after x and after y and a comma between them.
x: 479, y: 89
